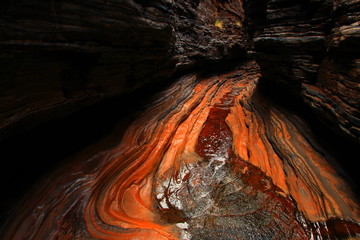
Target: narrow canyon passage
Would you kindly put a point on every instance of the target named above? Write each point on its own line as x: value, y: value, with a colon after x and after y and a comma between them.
x: 211, y: 158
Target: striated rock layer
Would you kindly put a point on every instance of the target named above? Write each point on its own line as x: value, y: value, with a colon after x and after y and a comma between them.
x: 210, y: 159
x: 60, y: 56
x: 311, y: 49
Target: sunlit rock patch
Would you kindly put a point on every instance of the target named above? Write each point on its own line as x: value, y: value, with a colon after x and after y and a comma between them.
x: 210, y: 159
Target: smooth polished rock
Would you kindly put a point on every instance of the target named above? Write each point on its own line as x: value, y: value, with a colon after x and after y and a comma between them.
x: 211, y: 158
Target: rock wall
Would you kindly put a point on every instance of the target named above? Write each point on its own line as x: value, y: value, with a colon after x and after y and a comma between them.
x: 310, y: 49
x: 59, y: 56
x: 336, y: 93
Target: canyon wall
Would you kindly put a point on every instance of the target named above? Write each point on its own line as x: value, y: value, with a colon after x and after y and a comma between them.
x: 310, y: 49
x: 213, y: 155
x: 71, y: 55
x: 60, y: 56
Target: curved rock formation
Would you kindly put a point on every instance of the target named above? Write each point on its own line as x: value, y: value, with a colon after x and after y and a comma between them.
x: 210, y: 159
x: 213, y: 157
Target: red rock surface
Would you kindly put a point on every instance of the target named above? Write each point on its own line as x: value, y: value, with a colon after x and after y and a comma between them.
x: 210, y: 159
x: 214, y: 157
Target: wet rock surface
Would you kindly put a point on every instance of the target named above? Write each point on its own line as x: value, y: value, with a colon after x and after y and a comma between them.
x: 211, y: 158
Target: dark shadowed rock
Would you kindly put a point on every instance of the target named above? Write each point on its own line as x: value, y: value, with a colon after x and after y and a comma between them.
x: 335, y: 96
x: 310, y: 50
x: 59, y: 56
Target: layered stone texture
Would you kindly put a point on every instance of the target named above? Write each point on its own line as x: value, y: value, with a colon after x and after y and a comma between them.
x: 59, y: 56
x: 310, y: 49
x: 212, y: 158
x: 336, y: 94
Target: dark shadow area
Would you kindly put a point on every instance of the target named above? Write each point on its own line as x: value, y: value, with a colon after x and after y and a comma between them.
x: 217, y: 68
x: 28, y: 156
x: 343, y: 150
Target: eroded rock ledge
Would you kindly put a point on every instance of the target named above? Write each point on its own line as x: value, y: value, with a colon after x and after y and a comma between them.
x: 210, y: 159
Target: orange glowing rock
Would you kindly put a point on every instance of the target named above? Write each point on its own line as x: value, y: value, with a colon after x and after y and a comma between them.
x: 211, y: 159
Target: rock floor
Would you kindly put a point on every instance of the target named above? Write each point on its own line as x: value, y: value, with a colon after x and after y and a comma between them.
x: 210, y: 159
